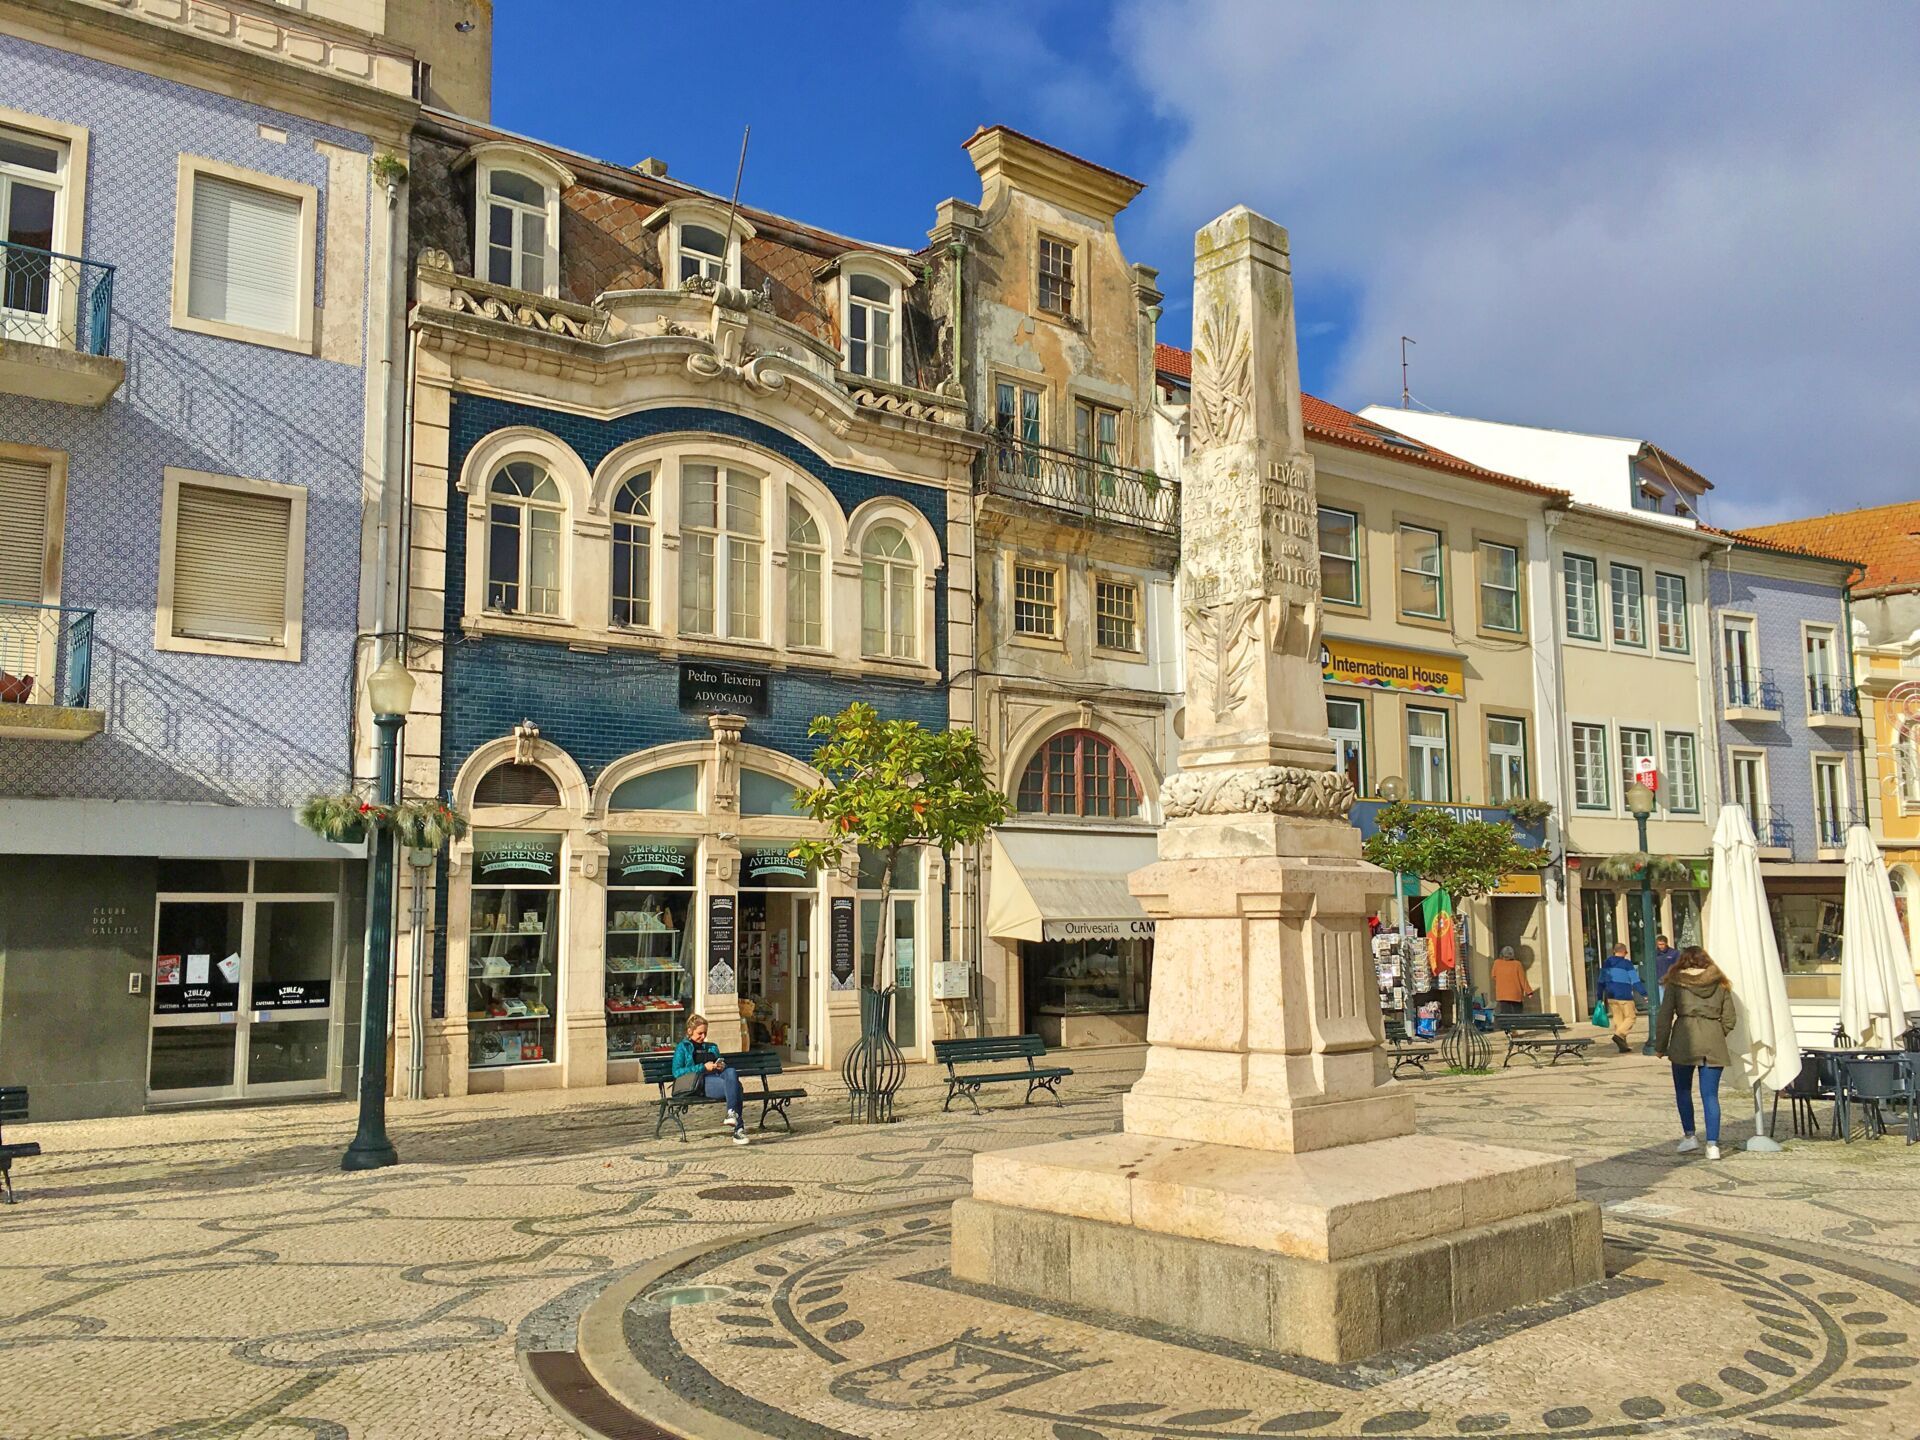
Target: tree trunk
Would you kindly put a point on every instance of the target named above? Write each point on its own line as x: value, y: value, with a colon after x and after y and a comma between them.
x: 883, y: 932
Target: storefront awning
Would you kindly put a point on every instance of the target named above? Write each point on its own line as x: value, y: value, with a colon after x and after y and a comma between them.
x: 1052, y: 885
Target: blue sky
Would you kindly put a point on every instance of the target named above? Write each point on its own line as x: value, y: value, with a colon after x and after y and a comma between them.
x: 1692, y: 225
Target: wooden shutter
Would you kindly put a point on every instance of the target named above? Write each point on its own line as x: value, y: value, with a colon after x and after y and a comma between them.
x: 230, y: 565
x: 245, y: 265
x: 24, y: 490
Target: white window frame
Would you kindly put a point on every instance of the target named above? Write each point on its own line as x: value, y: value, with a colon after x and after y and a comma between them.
x: 1349, y: 739
x: 301, y: 338
x: 1058, y: 584
x: 1732, y: 622
x: 69, y: 184
x: 1568, y: 560
x: 1623, y: 757
x: 1426, y: 746
x: 899, y: 279
x: 670, y: 218
x: 1500, y: 753
x: 1670, y: 796
x: 1811, y: 631
x: 1760, y: 801
x: 1685, y: 647
x: 814, y: 565
x: 651, y: 526
x: 164, y: 638
x: 1481, y: 545
x: 1835, y: 764
x: 1617, y: 570
x: 1136, y: 618
x: 527, y: 507
x: 1438, y: 575
x: 1359, y: 600
x: 23, y: 632
x: 902, y: 631
x: 1603, y: 760
x: 553, y: 177
x: 724, y: 542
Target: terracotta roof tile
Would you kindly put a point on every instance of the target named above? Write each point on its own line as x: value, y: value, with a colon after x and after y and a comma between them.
x: 1884, y: 540
x: 1326, y: 421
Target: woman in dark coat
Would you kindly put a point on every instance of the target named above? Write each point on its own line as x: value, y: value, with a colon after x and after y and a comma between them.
x: 1696, y: 1012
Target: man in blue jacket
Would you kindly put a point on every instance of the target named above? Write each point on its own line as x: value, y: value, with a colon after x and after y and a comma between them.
x: 1663, y: 956
x: 1619, y: 984
x: 699, y: 1070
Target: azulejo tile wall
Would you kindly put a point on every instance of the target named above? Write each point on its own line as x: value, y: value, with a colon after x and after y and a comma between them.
x: 190, y: 727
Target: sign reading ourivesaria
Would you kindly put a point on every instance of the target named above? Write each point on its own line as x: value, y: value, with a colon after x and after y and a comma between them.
x: 708, y: 689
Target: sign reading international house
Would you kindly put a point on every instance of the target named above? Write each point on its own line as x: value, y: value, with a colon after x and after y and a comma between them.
x: 709, y: 689
x: 1385, y: 667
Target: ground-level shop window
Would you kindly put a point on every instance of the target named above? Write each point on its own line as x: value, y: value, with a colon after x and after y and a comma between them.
x: 513, y: 940
x: 905, y: 904
x: 777, y: 898
x: 650, y: 897
x: 1064, y: 978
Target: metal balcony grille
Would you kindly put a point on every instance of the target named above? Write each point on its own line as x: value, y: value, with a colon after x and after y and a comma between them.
x: 1752, y: 689
x: 56, y: 300
x: 1829, y: 695
x: 46, y: 654
x: 1078, y: 484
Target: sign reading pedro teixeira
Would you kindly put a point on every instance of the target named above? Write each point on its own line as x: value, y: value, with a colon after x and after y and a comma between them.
x: 709, y: 689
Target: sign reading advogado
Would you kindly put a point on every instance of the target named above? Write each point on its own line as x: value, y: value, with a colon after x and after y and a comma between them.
x: 516, y: 857
x: 710, y: 689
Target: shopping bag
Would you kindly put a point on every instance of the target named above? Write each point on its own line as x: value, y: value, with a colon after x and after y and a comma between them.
x: 1600, y: 1016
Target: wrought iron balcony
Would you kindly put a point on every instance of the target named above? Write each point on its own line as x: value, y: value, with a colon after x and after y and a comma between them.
x: 1831, y: 699
x: 56, y: 323
x: 1078, y: 484
x: 46, y: 672
x: 1833, y: 824
x: 1752, y: 689
x: 1771, y: 829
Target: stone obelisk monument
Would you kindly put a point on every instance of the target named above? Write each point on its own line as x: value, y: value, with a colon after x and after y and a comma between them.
x: 1266, y: 1187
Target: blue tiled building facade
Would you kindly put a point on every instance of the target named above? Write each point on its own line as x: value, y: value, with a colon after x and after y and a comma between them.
x: 168, y: 933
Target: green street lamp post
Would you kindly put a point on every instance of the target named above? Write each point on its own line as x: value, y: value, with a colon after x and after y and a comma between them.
x: 390, y: 692
x: 1640, y: 804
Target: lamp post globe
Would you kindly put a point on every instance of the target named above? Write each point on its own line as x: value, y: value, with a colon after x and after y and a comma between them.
x: 1639, y: 799
x: 1392, y: 789
x: 389, y: 693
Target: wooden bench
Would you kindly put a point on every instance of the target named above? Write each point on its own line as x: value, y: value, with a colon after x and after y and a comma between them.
x: 748, y: 1065
x: 1001, y: 1050
x: 13, y: 1107
x: 1531, y: 1035
x: 1405, y: 1050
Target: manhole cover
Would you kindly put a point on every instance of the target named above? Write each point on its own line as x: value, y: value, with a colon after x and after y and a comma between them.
x: 689, y: 1295
x: 747, y: 1192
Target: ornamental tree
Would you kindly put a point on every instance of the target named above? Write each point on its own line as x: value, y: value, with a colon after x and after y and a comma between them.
x: 891, y: 785
x: 1466, y: 858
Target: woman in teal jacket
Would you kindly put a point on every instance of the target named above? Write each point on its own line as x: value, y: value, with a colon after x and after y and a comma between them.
x: 699, y: 1070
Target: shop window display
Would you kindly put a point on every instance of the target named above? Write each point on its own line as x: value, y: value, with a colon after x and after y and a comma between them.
x: 650, y: 895
x: 1807, y: 930
x: 512, y: 942
x: 1089, y: 977
x: 776, y: 927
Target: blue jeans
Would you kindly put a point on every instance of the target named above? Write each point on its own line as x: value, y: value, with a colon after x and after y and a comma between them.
x: 724, y: 1084
x: 1709, y: 1097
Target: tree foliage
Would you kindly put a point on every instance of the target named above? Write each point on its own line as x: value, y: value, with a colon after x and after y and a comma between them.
x: 1466, y: 858
x: 891, y: 785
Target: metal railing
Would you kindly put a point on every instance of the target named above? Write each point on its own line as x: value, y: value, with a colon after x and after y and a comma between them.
x: 1833, y: 826
x: 56, y: 300
x: 1079, y: 484
x: 46, y: 654
x: 1752, y: 689
x: 1771, y: 829
x: 1830, y: 695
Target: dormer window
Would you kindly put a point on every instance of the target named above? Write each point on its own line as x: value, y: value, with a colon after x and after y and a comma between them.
x: 699, y: 243
x: 1056, y: 276
x: 516, y: 212
x: 871, y: 288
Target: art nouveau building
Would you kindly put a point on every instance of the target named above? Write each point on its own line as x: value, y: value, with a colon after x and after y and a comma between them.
x: 681, y: 484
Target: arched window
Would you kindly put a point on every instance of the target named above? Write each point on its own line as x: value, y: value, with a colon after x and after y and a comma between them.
x: 512, y: 784
x: 872, y: 320
x: 722, y: 539
x: 806, y: 574
x: 703, y: 254
x: 524, y: 511
x: 633, y: 552
x: 515, y: 227
x: 889, y: 578
x: 675, y: 788
x: 1079, y: 773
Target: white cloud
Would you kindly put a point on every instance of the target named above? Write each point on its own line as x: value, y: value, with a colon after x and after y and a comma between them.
x: 1698, y: 224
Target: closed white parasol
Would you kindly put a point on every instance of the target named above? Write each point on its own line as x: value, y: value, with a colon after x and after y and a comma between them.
x: 1877, y: 999
x: 1739, y: 936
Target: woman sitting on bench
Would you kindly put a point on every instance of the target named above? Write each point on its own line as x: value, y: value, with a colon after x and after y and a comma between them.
x: 699, y: 1070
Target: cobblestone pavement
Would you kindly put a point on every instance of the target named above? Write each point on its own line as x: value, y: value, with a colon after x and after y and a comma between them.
x: 214, y: 1274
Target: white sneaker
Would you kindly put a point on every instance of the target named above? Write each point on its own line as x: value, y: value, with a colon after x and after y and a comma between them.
x: 1713, y: 1151
x: 1687, y: 1142
x: 740, y: 1136
x: 733, y: 1119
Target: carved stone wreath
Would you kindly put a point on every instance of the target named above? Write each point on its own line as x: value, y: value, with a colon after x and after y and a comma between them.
x: 1269, y: 790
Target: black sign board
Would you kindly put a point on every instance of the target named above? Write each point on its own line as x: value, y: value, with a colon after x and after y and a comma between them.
x: 840, y: 942
x: 709, y: 689
x: 774, y: 867
x: 501, y: 857
x: 720, y: 972
x: 292, y: 994
x: 650, y: 862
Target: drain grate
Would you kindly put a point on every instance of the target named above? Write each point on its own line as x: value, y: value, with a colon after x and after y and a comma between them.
x: 746, y: 1192
x: 688, y: 1295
